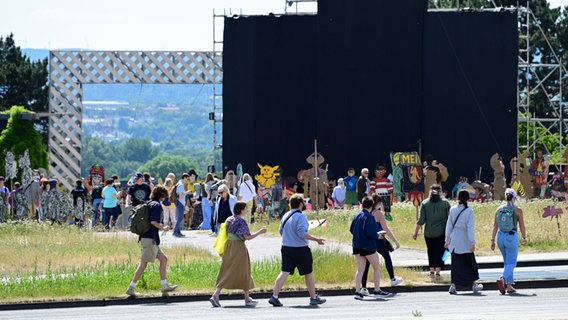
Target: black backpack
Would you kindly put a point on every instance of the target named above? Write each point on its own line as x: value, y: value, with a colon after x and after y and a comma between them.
x: 140, y: 219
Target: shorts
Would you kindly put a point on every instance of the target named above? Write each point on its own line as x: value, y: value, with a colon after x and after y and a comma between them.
x: 351, y: 197
x: 362, y: 252
x: 150, y: 250
x: 297, y: 257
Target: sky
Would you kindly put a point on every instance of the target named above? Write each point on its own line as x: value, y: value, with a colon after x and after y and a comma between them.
x: 142, y: 25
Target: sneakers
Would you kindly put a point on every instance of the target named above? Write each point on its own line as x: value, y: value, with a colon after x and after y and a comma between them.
x: 275, y: 302
x: 317, y: 300
x: 358, y: 296
x: 382, y: 294
x: 364, y: 292
x: 501, y: 285
x: 215, y: 302
x: 477, y: 287
x: 453, y: 290
x: 251, y: 303
x: 395, y: 281
x: 168, y: 287
x: 131, y: 292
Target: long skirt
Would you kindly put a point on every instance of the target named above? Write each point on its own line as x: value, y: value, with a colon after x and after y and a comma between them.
x: 235, y: 272
x: 464, y: 269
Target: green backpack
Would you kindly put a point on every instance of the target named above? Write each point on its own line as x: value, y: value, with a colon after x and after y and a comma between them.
x: 506, y: 218
x: 139, y: 219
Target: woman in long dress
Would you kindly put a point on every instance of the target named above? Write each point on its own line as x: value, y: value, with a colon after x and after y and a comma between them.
x: 235, y: 272
x: 460, y: 241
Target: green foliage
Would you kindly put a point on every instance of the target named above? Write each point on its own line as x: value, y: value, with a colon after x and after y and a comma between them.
x: 161, y: 165
x: 19, y: 136
x: 22, y: 82
x: 137, y: 149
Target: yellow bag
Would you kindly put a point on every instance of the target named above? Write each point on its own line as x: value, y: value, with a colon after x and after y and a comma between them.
x: 221, y: 241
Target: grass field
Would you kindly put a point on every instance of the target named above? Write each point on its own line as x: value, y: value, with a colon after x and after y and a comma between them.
x: 43, y: 262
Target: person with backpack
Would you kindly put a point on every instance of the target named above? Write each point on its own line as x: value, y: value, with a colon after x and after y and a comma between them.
x: 150, y: 242
x: 508, y: 218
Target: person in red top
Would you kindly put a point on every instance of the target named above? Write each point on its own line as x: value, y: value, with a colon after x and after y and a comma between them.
x: 382, y: 186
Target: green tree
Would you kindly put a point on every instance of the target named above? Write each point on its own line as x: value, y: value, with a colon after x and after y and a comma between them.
x: 138, y: 150
x: 19, y: 136
x: 161, y: 165
x: 22, y: 82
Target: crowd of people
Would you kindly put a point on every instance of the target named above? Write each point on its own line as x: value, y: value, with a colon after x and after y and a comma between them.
x: 212, y: 203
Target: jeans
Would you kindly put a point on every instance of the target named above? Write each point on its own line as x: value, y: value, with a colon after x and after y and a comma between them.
x: 96, y: 212
x: 509, y: 247
x: 206, y: 208
x: 180, y: 210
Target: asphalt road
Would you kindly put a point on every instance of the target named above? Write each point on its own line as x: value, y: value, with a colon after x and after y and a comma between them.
x: 526, y: 304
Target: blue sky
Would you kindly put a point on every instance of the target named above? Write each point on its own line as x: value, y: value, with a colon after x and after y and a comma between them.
x: 127, y: 24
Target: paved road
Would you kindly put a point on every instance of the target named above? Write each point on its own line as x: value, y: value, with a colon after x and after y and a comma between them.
x: 533, y: 304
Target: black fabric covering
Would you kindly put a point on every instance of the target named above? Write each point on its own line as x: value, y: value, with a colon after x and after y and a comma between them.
x: 269, y: 91
x: 366, y: 78
x: 470, y: 76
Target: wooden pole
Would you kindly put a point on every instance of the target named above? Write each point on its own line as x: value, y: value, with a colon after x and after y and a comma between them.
x: 316, y: 202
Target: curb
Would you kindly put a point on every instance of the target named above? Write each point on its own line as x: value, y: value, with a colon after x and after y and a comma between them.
x: 497, y: 265
x: 488, y: 286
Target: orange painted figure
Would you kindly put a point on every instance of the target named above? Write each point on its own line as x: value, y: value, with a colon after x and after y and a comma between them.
x: 539, y: 171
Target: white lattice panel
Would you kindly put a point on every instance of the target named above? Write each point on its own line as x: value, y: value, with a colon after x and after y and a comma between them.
x: 69, y: 70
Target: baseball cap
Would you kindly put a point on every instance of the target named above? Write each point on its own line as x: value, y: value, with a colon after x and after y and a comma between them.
x: 138, y: 175
x: 510, y: 191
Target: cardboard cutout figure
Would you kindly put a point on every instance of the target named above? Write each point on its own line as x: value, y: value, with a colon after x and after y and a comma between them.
x: 524, y: 174
x: 516, y: 183
x: 539, y: 171
x: 499, y: 182
x: 350, y: 188
x: 267, y: 176
x: 382, y: 186
x: 315, y: 182
x: 434, y: 172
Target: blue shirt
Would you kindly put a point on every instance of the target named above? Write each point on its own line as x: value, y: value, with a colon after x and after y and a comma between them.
x: 364, y: 230
x: 350, y: 183
x: 109, y: 200
x: 180, y: 190
x: 295, y: 230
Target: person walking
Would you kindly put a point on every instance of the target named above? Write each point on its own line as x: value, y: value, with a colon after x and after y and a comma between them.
x: 365, y: 234
x: 460, y: 241
x: 247, y: 193
x: 225, y: 204
x: 180, y: 205
x: 295, y: 250
x: 434, y: 213
x: 235, y: 272
x: 384, y: 247
x: 168, y: 206
x: 150, y: 242
x: 508, y: 219
x: 110, y: 204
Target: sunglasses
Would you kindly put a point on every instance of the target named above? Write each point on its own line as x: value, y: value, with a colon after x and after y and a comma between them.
x: 221, y: 192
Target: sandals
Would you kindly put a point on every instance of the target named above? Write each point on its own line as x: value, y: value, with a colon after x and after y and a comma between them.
x: 215, y: 302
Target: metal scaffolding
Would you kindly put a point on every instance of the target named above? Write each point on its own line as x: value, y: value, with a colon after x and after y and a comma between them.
x: 544, y: 73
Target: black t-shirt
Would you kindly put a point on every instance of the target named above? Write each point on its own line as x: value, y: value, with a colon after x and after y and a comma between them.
x: 139, y: 193
x: 224, y: 210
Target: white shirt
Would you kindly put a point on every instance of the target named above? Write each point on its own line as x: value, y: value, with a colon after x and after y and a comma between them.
x: 247, y: 191
x: 338, y: 194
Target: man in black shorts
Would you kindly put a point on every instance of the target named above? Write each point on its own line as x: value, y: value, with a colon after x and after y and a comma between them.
x: 295, y: 250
